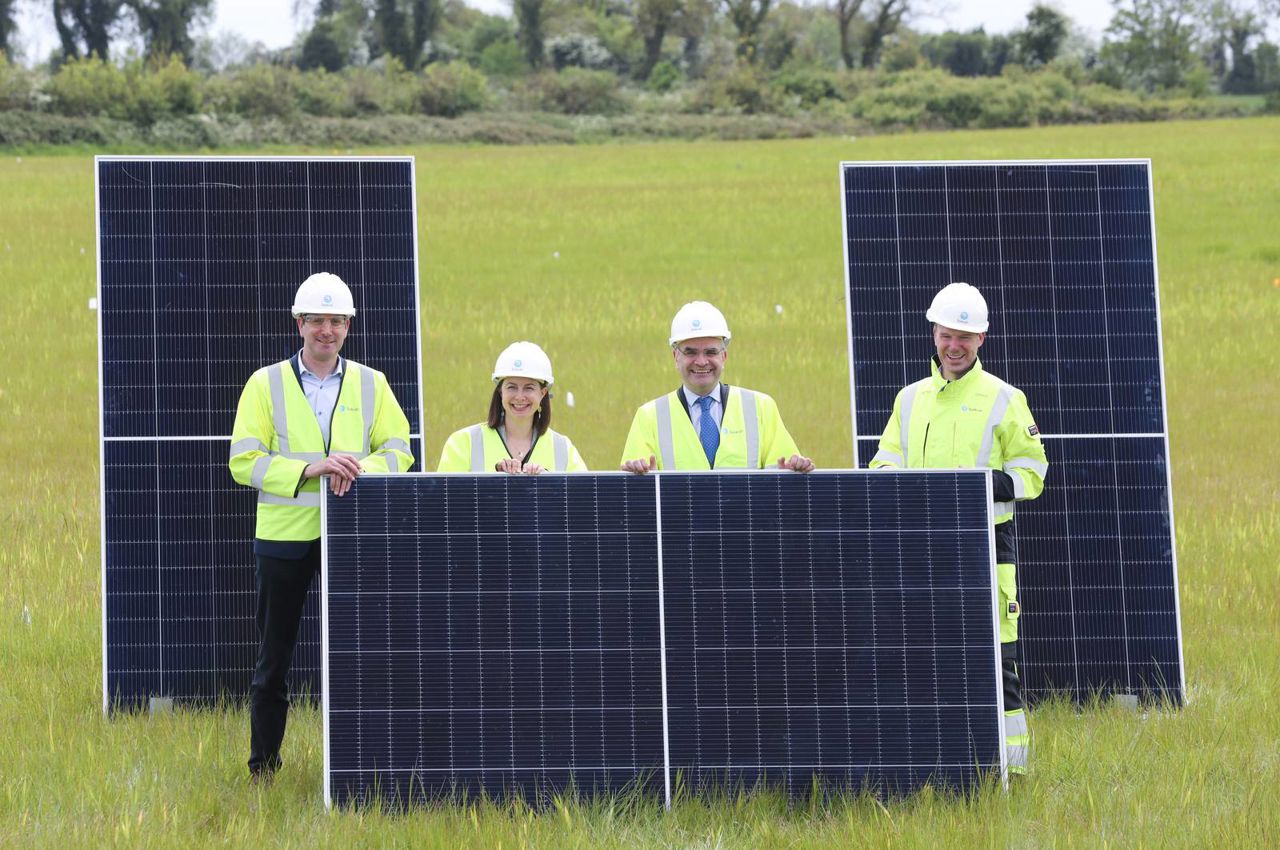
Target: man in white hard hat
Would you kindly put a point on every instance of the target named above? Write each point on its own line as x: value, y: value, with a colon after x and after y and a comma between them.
x: 315, y: 414
x: 963, y: 416
x: 706, y: 424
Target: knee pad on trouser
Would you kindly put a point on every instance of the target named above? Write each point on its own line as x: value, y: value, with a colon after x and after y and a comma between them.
x: 1017, y: 740
x: 1007, y: 599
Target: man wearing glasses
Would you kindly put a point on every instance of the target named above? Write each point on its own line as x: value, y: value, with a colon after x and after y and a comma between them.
x: 315, y: 414
x: 706, y: 424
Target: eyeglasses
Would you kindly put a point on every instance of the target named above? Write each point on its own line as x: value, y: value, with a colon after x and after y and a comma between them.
x: 321, y: 321
x: 690, y: 351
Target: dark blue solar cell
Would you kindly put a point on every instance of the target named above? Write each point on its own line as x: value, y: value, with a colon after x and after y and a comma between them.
x: 1064, y: 254
x: 198, y: 263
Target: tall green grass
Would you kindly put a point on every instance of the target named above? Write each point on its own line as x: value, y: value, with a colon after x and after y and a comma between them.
x: 639, y: 230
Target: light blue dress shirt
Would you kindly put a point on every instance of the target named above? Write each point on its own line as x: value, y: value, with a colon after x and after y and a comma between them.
x: 695, y: 412
x: 322, y: 394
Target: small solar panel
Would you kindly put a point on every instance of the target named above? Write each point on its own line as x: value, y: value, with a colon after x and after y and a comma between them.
x: 605, y: 632
x: 1064, y: 252
x: 198, y: 262
x: 492, y: 635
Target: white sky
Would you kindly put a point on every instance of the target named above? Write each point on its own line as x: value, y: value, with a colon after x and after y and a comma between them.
x: 272, y: 22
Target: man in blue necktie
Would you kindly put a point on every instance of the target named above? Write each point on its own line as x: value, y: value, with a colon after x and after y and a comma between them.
x: 706, y: 424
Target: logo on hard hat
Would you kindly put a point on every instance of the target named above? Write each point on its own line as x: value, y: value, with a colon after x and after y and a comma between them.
x: 519, y: 364
x: 697, y: 323
x: 327, y: 299
x: 964, y: 315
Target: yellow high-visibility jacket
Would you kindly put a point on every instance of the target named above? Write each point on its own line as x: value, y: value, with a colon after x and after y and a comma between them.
x: 276, y: 436
x: 975, y: 421
x: 752, y: 435
x: 479, y: 448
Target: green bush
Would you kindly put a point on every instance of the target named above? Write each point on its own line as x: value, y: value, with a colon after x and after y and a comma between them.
x: 322, y: 93
x: 742, y: 90
x: 502, y: 59
x: 574, y: 91
x: 163, y: 91
x: 17, y: 85
x: 664, y: 77
x: 84, y: 87
x: 139, y: 92
x: 809, y: 87
x: 451, y: 89
x: 388, y: 90
x: 257, y: 91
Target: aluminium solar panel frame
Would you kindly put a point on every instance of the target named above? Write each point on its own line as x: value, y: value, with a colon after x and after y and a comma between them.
x: 997, y: 671
x: 1159, y: 335
x: 102, y: 438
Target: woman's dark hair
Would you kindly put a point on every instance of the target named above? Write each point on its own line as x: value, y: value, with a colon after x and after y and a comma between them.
x: 541, y: 416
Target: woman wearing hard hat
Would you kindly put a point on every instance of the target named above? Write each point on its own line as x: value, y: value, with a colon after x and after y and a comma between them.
x: 517, y: 436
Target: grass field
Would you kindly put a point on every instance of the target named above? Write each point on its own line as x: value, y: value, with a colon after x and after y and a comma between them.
x: 589, y: 250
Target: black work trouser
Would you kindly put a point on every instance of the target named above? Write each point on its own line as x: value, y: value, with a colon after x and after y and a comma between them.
x: 1012, y: 680
x: 282, y: 592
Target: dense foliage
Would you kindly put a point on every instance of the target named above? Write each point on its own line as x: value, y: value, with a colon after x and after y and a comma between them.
x: 854, y: 65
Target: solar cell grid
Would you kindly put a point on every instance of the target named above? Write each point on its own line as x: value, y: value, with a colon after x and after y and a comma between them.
x: 1064, y: 253
x: 198, y: 261
x: 506, y: 635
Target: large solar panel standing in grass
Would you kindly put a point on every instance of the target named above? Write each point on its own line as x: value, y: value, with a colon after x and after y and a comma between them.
x: 514, y: 635
x: 1064, y: 252
x: 198, y: 262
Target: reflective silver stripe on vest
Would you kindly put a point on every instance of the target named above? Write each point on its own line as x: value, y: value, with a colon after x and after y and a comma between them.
x: 561, y: 446
x: 258, y: 478
x: 476, y: 432
x: 394, y: 444
x: 998, y: 409
x: 1002, y: 509
x: 751, y: 421
x: 368, y: 401
x: 1019, y: 485
x: 307, y: 456
x: 666, y: 454
x: 888, y: 457
x: 248, y: 444
x: 279, y: 414
x: 1015, y: 726
x: 1027, y: 463
x: 304, y: 500
x: 904, y: 419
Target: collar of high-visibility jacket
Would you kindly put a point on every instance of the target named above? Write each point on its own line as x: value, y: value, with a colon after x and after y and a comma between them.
x: 695, y: 412
x: 940, y: 381
x: 337, y: 370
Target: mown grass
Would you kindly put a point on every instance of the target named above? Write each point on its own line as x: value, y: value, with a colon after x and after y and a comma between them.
x: 638, y: 230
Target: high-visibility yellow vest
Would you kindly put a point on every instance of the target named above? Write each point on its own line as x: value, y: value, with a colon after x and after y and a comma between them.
x: 977, y: 420
x: 276, y: 436
x: 480, y: 448
x: 752, y: 435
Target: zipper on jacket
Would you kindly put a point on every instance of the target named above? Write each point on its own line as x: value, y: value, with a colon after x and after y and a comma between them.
x: 924, y: 449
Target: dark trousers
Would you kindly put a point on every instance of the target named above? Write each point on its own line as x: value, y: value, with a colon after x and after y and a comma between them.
x: 282, y: 591
x: 1012, y: 681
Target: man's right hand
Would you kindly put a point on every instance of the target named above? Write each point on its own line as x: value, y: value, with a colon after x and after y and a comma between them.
x: 640, y: 466
x: 341, y: 469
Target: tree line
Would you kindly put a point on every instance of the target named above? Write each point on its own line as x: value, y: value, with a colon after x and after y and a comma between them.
x: 1193, y: 47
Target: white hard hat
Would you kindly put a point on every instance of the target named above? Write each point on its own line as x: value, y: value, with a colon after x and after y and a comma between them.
x: 960, y: 307
x: 523, y: 360
x: 698, y: 319
x: 324, y: 292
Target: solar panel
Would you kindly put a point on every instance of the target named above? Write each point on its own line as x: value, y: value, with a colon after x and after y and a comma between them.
x: 1064, y: 252
x: 506, y: 635
x: 198, y: 261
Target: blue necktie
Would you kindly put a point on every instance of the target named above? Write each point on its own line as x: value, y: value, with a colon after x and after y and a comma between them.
x: 708, y: 430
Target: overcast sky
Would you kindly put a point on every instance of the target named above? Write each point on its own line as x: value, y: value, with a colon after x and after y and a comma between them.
x: 272, y: 23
